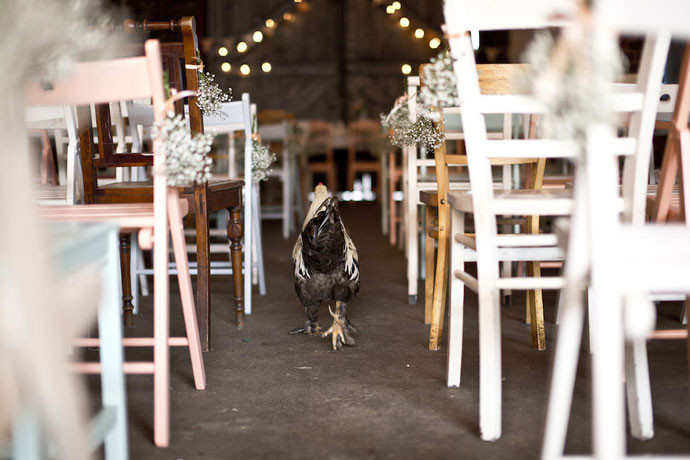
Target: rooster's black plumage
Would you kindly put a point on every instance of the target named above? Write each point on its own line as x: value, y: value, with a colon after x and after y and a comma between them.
x: 326, y: 267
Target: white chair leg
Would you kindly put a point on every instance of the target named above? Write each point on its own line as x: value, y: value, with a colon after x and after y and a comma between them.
x: 113, y: 393
x: 638, y: 390
x: 285, y: 177
x: 591, y: 318
x: 489, y: 361
x: 258, y: 244
x: 26, y: 435
x: 134, y: 273
x: 412, y: 250
x: 143, y: 281
x: 457, y: 302
x: 608, y: 409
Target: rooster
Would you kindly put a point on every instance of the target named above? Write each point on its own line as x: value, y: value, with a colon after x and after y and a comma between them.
x: 326, y: 268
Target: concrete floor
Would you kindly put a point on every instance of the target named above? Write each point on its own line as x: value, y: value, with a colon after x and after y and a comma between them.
x: 273, y: 395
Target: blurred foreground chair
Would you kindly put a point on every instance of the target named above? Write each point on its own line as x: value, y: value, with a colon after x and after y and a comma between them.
x: 116, y: 80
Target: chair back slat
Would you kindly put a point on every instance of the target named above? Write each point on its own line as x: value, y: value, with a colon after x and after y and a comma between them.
x: 466, y: 15
x: 641, y: 17
x: 95, y: 82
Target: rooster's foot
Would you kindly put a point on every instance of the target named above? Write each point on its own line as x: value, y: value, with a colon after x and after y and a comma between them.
x: 309, y: 328
x: 339, y: 332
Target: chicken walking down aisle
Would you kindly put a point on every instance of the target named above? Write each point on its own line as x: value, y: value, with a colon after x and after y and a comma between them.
x: 326, y: 268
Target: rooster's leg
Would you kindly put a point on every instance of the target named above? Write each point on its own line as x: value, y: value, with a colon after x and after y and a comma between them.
x: 339, y: 330
x: 310, y: 326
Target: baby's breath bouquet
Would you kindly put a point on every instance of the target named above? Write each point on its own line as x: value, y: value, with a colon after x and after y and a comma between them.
x: 210, y: 96
x: 262, y: 159
x: 439, y: 89
x: 421, y: 131
x: 186, y: 157
x: 571, y: 74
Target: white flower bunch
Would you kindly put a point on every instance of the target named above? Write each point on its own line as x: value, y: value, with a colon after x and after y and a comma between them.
x: 440, y: 89
x: 186, y: 157
x: 262, y: 159
x: 210, y: 96
x: 571, y: 78
x: 422, y: 131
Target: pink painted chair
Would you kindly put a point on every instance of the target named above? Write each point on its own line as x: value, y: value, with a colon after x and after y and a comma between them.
x: 126, y: 79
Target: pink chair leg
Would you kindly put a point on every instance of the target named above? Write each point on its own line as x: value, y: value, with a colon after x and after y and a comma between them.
x: 185, y: 282
x: 161, y: 332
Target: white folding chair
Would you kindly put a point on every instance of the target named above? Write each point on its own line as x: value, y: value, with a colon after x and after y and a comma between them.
x: 60, y: 120
x: 623, y: 258
x: 488, y: 248
x: 238, y: 118
x: 281, y: 132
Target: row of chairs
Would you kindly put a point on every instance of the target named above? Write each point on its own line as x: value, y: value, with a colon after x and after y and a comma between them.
x: 626, y: 262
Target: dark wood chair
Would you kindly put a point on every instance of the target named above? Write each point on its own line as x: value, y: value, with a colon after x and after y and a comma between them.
x: 203, y: 199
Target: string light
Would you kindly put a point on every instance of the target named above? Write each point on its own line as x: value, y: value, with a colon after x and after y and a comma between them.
x: 434, y: 43
x: 241, y: 47
x: 390, y: 9
x: 396, y: 5
x: 258, y: 36
x: 419, y: 33
x: 266, y: 67
x: 288, y: 16
x: 270, y: 23
x: 404, y: 22
x: 245, y: 69
x: 223, y: 51
x: 225, y: 67
x: 298, y: 1
x: 406, y: 69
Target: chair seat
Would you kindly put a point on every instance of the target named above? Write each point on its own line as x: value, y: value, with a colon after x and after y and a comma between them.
x: 521, y: 202
x: 429, y: 197
x: 130, y: 217
x: 50, y: 194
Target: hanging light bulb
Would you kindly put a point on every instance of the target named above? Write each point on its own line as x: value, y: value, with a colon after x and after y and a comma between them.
x: 390, y: 9
x: 396, y: 5
x: 419, y: 33
x: 223, y: 51
x: 225, y: 67
x: 288, y: 16
x: 270, y: 23
x: 406, y: 69
x: 245, y: 69
x: 266, y: 67
x: 257, y: 36
x: 404, y: 22
x: 241, y: 47
x: 434, y: 43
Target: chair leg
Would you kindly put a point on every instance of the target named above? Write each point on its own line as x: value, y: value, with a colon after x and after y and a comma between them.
x: 134, y: 277
x: 412, y: 250
x: 438, y: 308
x: 184, y: 281
x: 638, y: 391
x: 161, y: 334
x: 285, y: 177
x: 489, y: 360
x: 563, y: 373
x: 235, y: 235
x: 203, y: 279
x: 429, y: 258
x: 258, y: 243
x: 537, y: 309
x: 127, y: 307
x: 457, y: 303
x: 113, y: 393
